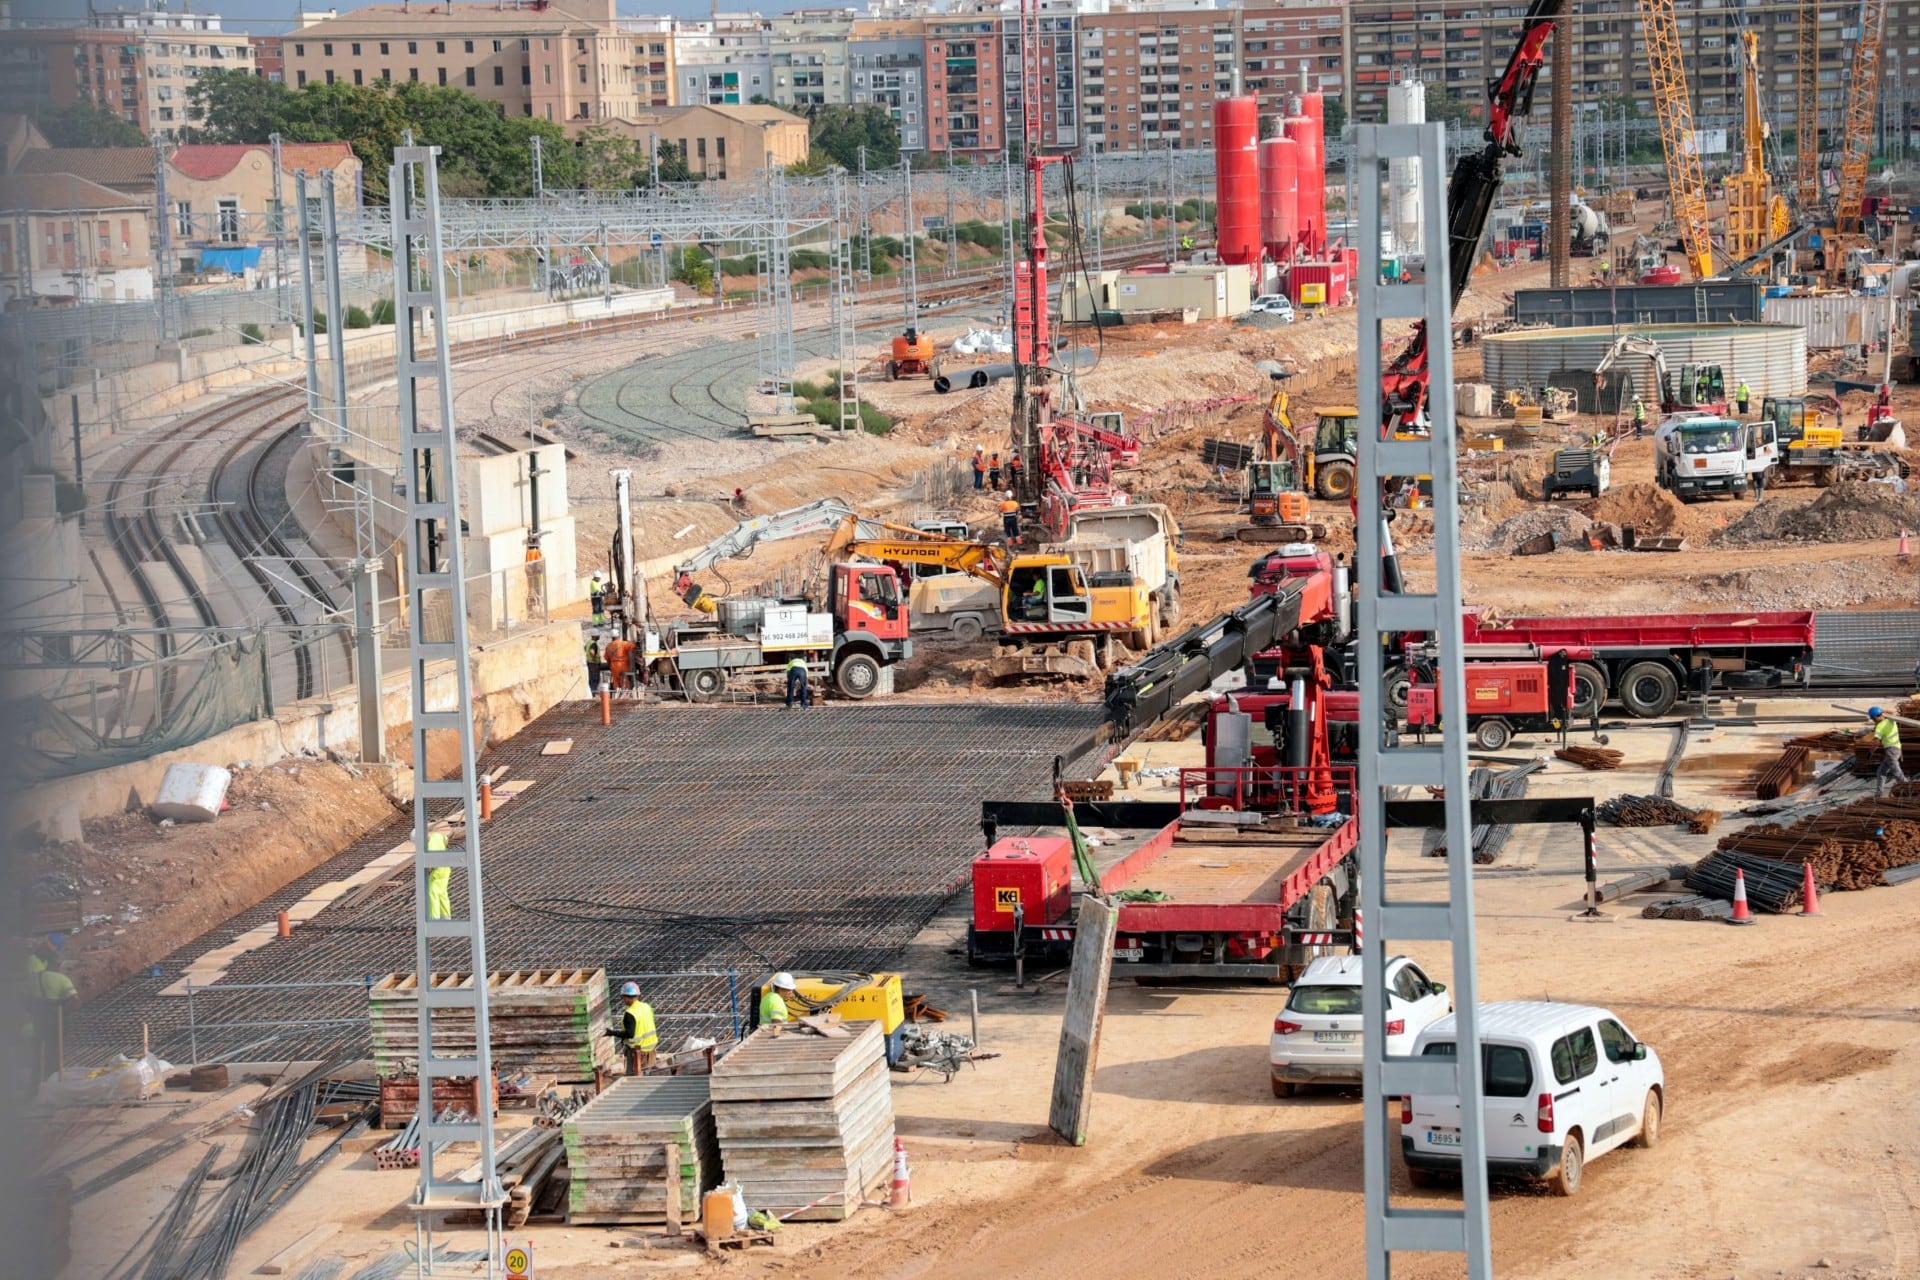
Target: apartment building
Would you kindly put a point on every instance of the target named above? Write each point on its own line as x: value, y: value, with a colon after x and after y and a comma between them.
x: 527, y: 57
x: 967, y: 85
x: 724, y: 62
x: 888, y: 65
x: 221, y: 199
x: 652, y: 59
x: 1460, y: 44
x: 177, y: 47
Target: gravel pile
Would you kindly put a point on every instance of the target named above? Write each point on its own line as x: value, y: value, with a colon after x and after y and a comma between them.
x: 1855, y: 511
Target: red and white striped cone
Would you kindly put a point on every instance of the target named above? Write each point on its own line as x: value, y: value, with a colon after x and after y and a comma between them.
x: 1809, y: 893
x: 1359, y: 931
x: 901, y: 1194
x: 1904, y: 552
x: 1741, y: 913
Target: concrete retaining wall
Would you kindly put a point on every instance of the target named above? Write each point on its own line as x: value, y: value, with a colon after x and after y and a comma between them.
x: 527, y: 674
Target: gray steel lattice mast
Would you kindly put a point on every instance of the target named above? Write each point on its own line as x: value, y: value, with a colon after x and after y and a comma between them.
x: 306, y: 299
x: 163, y: 229
x: 911, y: 292
x: 841, y: 301
x: 436, y: 589
x: 778, y: 342
x: 1384, y: 769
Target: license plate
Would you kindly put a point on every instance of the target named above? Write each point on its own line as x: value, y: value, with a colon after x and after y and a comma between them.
x: 1335, y: 1037
x: 1129, y: 953
x: 1443, y: 1137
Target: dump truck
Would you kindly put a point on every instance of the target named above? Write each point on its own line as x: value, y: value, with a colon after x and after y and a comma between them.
x: 1137, y: 539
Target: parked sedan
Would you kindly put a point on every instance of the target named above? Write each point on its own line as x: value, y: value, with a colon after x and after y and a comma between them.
x: 1316, y: 1038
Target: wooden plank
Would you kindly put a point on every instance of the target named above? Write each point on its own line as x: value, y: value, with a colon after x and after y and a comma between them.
x: 289, y: 1258
x: 557, y: 747
x: 1087, y: 979
x: 672, y: 1187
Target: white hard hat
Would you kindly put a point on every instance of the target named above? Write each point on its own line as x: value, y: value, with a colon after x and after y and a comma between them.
x: 629, y: 989
x: 783, y: 980
x: 1009, y: 493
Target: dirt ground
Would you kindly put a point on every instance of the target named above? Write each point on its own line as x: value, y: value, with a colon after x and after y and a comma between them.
x: 1791, y: 1145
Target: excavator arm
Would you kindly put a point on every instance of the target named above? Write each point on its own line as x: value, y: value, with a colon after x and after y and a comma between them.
x: 1470, y: 197
x: 870, y: 541
x: 739, y: 542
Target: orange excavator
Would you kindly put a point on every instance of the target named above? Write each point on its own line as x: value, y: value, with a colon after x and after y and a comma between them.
x: 1274, y: 489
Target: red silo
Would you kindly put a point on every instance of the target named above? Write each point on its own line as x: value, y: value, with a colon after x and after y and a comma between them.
x: 1285, y: 231
x: 1312, y: 215
x: 1270, y: 194
x: 1236, y: 172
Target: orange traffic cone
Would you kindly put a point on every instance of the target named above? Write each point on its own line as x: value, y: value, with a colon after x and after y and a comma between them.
x: 902, y: 1193
x: 1741, y: 914
x: 1809, y: 894
x: 1904, y: 552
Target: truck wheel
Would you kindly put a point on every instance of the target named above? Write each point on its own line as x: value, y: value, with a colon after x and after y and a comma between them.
x: 1335, y: 481
x: 857, y: 676
x: 1649, y: 689
x: 1399, y: 682
x: 1491, y: 735
x: 967, y: 629
x: 893, y: 371
x: 1589, y: 689
x: 705, y: 684
x: 1565, y: 1180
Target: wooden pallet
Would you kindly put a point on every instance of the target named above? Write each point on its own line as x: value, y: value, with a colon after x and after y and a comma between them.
x: 643, y: 1152
x: 545, y: 1023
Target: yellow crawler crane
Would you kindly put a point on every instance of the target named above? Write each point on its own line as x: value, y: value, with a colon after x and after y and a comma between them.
x: 1686, y: 181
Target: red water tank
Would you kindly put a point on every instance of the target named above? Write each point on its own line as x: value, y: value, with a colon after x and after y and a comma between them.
x: 1269, y: 193
x: 1311, y: 219
x: 1236, y: 172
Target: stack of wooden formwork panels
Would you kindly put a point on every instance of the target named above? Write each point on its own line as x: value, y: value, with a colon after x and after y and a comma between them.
x: 545, y: 1023
x: 642, y: 1153
x: 806, y: 1121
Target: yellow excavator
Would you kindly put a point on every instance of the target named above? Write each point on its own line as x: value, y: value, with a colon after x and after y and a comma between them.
x: 1052, y: 621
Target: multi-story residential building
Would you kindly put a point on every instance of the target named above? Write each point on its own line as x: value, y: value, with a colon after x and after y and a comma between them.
x: 178, y: 47
x: 888, y: 61
x: 966, y: 85
x: 808, y: 52
x: 1460, y: 44
x: 268, y: 61
x: 82, y: 241
x: 1059, y: 106
x: 527, y: 57
x: 653, y: 63
x: 725, y: 62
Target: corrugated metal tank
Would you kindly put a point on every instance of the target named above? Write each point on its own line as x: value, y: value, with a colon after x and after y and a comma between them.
x: 1312, y: 217
x: 1236, y: 173
x: 1770, y: 358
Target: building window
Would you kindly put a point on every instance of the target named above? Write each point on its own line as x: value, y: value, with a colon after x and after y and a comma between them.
x: 413, y: 74
x: 329, y: 77
x: 386, y: 74
x: 356, y: 76
x: 300, y: 80
x: 499, y: 75
x: 299, y: 51
x: 496, y: 46
x: 443, y: 75
x: 523, y: 49
x: 469, y: 46
x: 356, y: 48
x: 439, y: 46
x: 546, y: 74
x: 229, y: 215
x: 579, y: 45
x: 383, y: 47
x: 184, y: 212
x: 470, y: 80
x: 413, y: 46
x: 326, y: 50
x: 583, y: 72
x: 526, y: 77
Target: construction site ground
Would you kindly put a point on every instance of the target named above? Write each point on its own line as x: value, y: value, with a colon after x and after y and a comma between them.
x: 1789, y: 1147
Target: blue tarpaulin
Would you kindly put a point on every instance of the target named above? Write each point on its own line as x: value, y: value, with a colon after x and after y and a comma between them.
x: 231, y: 261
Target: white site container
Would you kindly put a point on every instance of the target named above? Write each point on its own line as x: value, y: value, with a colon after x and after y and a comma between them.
x: 191, y: 792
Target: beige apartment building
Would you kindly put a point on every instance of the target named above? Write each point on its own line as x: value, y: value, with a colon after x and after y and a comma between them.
x: 81, y: 240
x: 568, y: 65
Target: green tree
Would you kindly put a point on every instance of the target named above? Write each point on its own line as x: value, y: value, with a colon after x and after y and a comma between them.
x: 1335, y: 112
x: 1444, y: 109
x: 840, y: 132
x: 673, y: 166
x: 237, y: 106
x: 85, y: 125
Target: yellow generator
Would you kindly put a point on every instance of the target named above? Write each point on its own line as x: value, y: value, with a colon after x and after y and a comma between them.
x: 856, y: 997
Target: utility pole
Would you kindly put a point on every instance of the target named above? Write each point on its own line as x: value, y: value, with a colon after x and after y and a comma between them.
x: 306, y: 299
x: 953, y: 232
x: 279, y: 231
x: 912, y: 290
x: 336, y: 313
x: 163, y: 294
x: 1560, y: 185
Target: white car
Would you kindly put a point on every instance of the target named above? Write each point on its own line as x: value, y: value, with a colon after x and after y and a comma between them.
x: 1563, y: 1084
x: 1316, y: 1038
x: 1274, y: 304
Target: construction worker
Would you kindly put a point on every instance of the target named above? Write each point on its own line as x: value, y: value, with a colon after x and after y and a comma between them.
x: 1639, y: 418
x: 1886, y: 732
x: 46, y: 989
x: 1013, y: 469
x: 1741, y: 395
x: 773, y: 1004
x: 1036, y: 601
x: 439, y: 881
x: 593, y: 664
x: 993, y: 471
x: 620, y: 661
x: 1010, y: 516
x: 597, y: 593
x: 979, y: 468
x: 797, y: 681
x: 636, y: 1034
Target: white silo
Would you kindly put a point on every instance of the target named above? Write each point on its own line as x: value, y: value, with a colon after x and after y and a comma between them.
x: 1406, y: 104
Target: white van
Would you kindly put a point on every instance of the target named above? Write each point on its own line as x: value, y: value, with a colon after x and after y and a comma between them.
x: 1563, y: 1083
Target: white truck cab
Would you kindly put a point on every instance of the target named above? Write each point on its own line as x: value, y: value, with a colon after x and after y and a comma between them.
x: 1701, y: 454
x: 1562, y: 1084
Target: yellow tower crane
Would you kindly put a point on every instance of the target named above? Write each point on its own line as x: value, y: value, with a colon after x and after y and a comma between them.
x: 1686, y: 182
x: 1856, y: 144
x: 1806, y: 115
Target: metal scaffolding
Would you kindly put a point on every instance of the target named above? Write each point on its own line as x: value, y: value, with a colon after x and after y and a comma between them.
x: 435, y: 588
x: 775, y: 294
x: 1384, y: 768
x: 841, y: 300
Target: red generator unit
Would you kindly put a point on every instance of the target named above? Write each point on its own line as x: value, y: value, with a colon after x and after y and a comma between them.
x: 1022, y: 880
x: 1503, y: 699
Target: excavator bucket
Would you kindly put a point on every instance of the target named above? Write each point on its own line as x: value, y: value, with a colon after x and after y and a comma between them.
x: 1030, y: 664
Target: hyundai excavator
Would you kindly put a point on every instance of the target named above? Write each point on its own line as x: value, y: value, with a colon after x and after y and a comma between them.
x: 1274, y: 490
x: 1053, y: 621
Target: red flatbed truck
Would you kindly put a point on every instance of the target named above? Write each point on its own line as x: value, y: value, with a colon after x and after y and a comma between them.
x: 1234, y: 893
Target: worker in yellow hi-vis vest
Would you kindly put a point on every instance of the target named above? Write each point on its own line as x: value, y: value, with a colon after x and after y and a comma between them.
x: 439, y: 881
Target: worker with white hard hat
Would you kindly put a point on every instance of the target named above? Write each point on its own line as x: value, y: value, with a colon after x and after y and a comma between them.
x: 636, y: 1033
x: 773, y: 1003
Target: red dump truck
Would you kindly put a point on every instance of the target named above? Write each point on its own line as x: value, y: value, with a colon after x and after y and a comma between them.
x: 1645, y: 661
